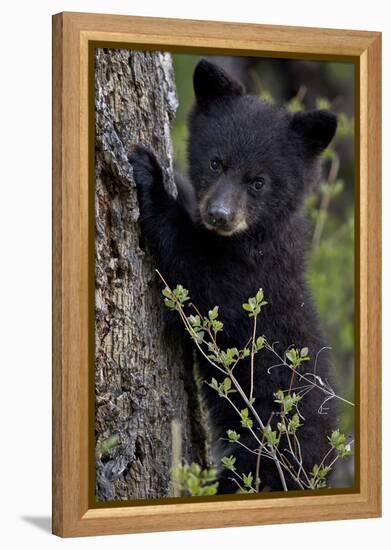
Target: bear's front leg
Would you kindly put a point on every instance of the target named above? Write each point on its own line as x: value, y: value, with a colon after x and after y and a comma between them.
x: 164, y: 222
x: 148, y: 176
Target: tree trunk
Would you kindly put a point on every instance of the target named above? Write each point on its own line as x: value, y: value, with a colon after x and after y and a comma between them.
x: 142, y: 384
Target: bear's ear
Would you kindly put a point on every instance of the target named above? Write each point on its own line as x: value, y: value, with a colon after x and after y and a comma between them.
x: 211, y: 82
x: 316, y: 128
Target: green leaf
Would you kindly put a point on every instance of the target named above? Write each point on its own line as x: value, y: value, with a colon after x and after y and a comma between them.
x: 217, y: 326
x: 279, y: 395
x: 271, y: 436
x: 266, y: 96
x: 318, y: 476
x: 322, y: 103
x: 232, y: 435
x: 181, y: 294
x: 214, y: 384
x: 193, y: 485
x: 294, y: 423
x: 195, y: 481
x: 246, y: 422
x: 329, y: 153
x: 337, y: 438
x: 303, y: 352
x: 297, y: 357
x: 198, y: 336
x: 209, y: 475
x: 248, y: 480
x: 210, y: 490
x: 227, y: 384
x: 295, y: 105
x: 288, y: 401
x: 260, y: 342
x: 245, y: 353
x: 195, y: 320
x: 229, y: 462
x: 291, y: 355
x: 167, y: 292
x: 345, y: 125
x: 213, y: 313
x: 338, y: 442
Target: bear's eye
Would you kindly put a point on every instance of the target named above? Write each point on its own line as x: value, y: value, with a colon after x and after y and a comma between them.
x: 258, y: 183
x: 215, y: 165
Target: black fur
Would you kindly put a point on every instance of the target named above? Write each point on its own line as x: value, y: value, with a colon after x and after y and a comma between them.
x: 251, y: 141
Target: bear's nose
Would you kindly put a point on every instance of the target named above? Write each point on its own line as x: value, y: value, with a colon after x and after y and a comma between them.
x: 218, y: 215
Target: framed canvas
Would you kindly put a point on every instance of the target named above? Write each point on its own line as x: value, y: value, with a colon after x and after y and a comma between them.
x: 216, y: 326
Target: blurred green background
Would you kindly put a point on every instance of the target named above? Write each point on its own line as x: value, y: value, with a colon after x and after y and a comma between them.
x: 302, y: 85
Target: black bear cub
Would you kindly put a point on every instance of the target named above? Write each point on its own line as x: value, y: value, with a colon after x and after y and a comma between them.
x: 238, y: 226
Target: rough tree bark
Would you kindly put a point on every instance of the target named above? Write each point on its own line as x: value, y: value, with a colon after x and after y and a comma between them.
x: 142, y: 383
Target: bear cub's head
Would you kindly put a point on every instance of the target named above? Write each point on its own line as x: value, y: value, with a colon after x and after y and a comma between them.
x: 250, y: 162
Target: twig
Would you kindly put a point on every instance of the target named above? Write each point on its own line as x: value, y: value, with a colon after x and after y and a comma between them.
x: 304, y: 377
x: 257, y: 470
x: 325, y: 203
x: 252, y: 358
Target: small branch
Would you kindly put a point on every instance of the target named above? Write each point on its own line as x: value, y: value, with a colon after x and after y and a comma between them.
x: 240, y: 415
x: 257, y: 470
x: 283, y: 363
x: 252, y: 358
x: 325, y: 203
x: 280, y: 472
x: 241, y: 444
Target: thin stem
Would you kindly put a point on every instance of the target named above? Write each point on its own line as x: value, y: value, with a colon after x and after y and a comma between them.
x: 336, y: 458
x: 238, y: 484
x: 292, y: 380
x: 301, y: 458
x: 257, y: 470
x: 280, y: 472
x: 304, y: 377
x: 289, y: 468
x: 272, y: 450
x: 246, y: 400
x: 299, y: 461
x: 240, y: 358
x: 241, y: 444
x: 252, y: 358
x: 325, y: 203
x: 333, y: 461
x: 326, y: 456
x: 240, y: 414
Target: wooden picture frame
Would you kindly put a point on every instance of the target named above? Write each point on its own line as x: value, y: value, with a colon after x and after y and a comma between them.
x: 74, y: 34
